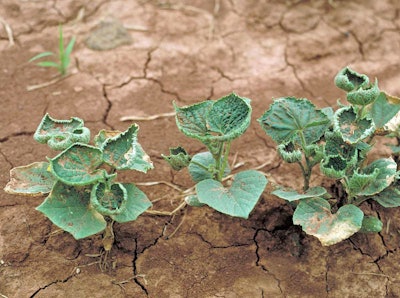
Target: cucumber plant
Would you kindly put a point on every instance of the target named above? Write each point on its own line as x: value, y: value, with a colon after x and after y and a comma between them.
x: 216, y: 123
x: 83, y: 196
x: 339, y: 142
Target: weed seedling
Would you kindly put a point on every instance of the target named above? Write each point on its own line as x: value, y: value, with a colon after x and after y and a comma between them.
x: 339, y: 142
x: 216, y: 123
x: 83, y: 196
x: 64, y: 55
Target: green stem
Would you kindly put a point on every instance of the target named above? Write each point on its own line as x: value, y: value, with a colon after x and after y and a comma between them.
x: 307, y: 168
x: 221, y: 171
x: 218, y: 158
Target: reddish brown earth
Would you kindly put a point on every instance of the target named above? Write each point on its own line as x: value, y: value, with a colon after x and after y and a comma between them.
x: 188, y: 51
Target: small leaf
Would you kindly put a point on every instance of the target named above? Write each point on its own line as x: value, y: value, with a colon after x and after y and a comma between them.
x: 383, y: 111
x: 48, y: 64
x: 193, y: 201
x: 348, y: 80
x: 292, y: 195
x: 41, y: 55
x: 78, y: 165
x: 289, y: 153
x: 389, y: 197
x: 359, y: 182
x: 109, y: 200
x: 136, y: 203
x: 68, y: 208
x: 178, y: 158
x: 364, y: 95
x: 60, y: 134
x: 237, y: 200
x: 371, y: 224
x: 315, y: 217
x: 352, y: 129
x: 207, y: 160
x: 289, y: 117
x: 31, y: 180
x: 123, y: 152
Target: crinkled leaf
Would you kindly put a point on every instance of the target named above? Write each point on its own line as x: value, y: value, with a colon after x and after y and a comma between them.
x: 31, y: 180
x: 383, y: 111
x: 178, y: 158
x: 109, y: 200
x: 365, y: 95
x: 237, y: 200
x: 103, y: 135
x: 60, y: 134
x: 292, y: 195
x: 351, y: 129
x: 315, y: 217
x: 206, y: 159
x: 348, y: 80
x: 288, y: 117
x: 78, y: 165
x: 68, y: 207
x: 371, y: 224
x: 359, y: 182
x: 389, y: 197
x: 123, y: 152
x: 136, y: 203
x: 215, y: 121
x: 289, y: 152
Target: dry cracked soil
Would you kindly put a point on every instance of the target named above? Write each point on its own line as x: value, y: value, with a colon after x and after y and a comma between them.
x: 186, y: 51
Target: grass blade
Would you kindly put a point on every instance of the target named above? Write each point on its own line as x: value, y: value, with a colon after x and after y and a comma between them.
x: 41, y: 55
x: 48, y: 64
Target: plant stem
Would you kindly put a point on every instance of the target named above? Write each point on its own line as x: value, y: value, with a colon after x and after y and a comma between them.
x: 218, y: 158
x: 224, y: 161
x: 307, y: 168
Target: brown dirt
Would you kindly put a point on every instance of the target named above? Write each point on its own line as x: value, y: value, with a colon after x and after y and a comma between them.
x: 189, y: 51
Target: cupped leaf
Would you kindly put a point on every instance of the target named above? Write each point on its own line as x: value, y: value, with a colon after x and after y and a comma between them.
x: 371, y: 224
x: 365, y: 95
x: 289, y: 152
x: 30, y: 180
x: 68, y: 208
x: 60, y: 134
x: 136, y: 203
x: 178, y: 158
x: 237, y: 200
x: 383, y: 111
x: 352, y: 129
x: 335, y: 166
x: 208, y: 168
x: 215, y: 121
x: 315, y: 217
x: 288, y: 118
x: 104, y: 135
x: 109, y: 200
x: 292, y: 195
x: 78, y: 165
x: 348, y: 80
x: 123, y: 151
x: 359, y: 182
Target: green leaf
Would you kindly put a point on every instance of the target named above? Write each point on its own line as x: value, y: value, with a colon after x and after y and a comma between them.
x: 178, y: 158
x: 123, y: 152
x: 78, y: 165
x: 109, y: 200
x: 292, y: 195
x: 315, y: 217
x: 237, y: 200
x: 68, y: 208
x: 31, y: 180
x: 66, y: 58
x: 193, y: 201
x: 348, y: 80
x: 289, y: 117
x: 371, y: 224
x: 389, y: 197
x: 41, y: 55
x: 383, y: 111
x: 104, y: 135
x: 215, y: 121
x: 334, y: 166
x: 289, y: 153
x: 352, y: 129
x: 359, y: 182
x: 48, y: 64
x: 199, y: 173
x: 60, y: 134
x: 136, y: 203
x: 365, y: 95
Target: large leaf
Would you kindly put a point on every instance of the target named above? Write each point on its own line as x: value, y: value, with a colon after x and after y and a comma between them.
x: 31, y: 180
x: 237, y: 200
x: 289, y: 117
x: 178, y: 158
x: 389, y: 197
x: 78, y: 165
x: 68, y: 207
x: 383, y: 111
x: 60, y: 134
x: 352, y: 129
x: 292, y: 195
x: 109, y: 200
x: 382, y: 172
x: 199, y: 173
x: 136, y: 203
x: 315, y: 217
x: 215, y: 121
x: 123, y: 151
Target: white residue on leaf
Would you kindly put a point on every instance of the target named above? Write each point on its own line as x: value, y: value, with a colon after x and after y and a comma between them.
x: 339, y: 231
x: 393, y: 124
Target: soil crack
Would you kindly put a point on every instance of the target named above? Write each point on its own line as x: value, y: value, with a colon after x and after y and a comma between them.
x: 52, y: 283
